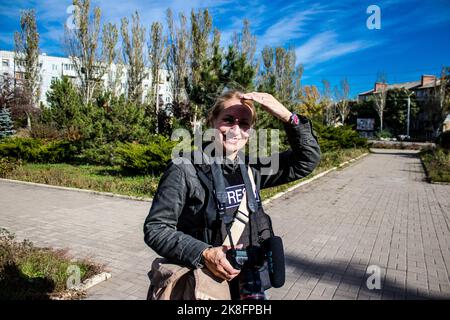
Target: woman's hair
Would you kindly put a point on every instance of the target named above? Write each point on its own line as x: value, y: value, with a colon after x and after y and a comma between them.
x: 219, y: 105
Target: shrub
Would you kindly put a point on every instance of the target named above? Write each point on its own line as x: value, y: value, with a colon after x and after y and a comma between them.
x: 150, y: 158
x: 437, y: 163
x: 101, y: 155
x: 20, y: 148
x: 28, y: 272
x: 56, y: 152
x: 8, y: 165
x: 385, y: 134
x: 37, y: 150
x: 334, y: 138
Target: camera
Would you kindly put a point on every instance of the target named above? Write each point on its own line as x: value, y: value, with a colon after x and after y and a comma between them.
x: 262, y: 267
x: 250, y: 257
x: 250, y: 261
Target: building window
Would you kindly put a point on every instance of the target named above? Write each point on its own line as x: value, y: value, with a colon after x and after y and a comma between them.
x: 5, y: 62
x: 68, y: 66
x: 54, y: 67
x: 19, y: 75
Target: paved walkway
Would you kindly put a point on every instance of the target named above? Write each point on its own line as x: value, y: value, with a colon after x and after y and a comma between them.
x: 379, y: 212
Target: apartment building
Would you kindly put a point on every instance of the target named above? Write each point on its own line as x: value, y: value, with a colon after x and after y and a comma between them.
x: 422, y: 88
x: 52, y: 68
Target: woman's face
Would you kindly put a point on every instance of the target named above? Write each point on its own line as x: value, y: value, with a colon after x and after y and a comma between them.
x: 233, y: 124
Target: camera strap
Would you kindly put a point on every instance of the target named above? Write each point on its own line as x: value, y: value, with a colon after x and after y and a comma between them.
x: 242, y: 216
x: 219, y: 190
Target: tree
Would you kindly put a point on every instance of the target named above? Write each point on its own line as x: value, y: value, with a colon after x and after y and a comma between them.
x: 329, y: 105
x: 238, y: 73
x: 133, y: 53
x: 396, y: 111
x: 267, y: 77
x: 210, y: 83
x: 6, y: 124
x: 280, y: 76
x: 177, y: 64
x: 112, y: 59
x: 157, y: 56
x: 342, y: 97
x: 441, y: 97
x: 125, y: 121
x: 201, y: 27
x: 284, y: 74
x: 379, y: 97
x: 201, y: 79
x: 18, y: 101
x: 6, y: 92
x: 245, y: 44
x: 311, y: 104
x: 81, y: 43
x: 65, y: 111
x: 26, y: 58
x: 362, y: 109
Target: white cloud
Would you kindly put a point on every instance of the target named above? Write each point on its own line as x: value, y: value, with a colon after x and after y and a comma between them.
x: 325, y: 46
x: 288, y: 28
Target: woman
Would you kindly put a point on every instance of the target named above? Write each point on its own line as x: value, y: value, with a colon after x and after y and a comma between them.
x: 183, y: 224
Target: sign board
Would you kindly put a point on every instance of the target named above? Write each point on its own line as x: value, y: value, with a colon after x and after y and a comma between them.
x: 365, y: 124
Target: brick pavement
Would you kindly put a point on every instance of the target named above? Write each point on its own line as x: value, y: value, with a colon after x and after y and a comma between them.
x: 379, y: 211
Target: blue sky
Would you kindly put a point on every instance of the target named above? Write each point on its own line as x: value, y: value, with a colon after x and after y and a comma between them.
x: 331, y: 39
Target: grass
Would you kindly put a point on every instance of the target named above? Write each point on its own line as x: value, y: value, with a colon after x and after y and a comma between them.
x: 99, y: 178
x: 437, y: 164
x: 28, y: 272
x: 112, y: 179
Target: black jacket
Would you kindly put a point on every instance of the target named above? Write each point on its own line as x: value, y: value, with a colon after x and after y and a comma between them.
x: 175, y: 225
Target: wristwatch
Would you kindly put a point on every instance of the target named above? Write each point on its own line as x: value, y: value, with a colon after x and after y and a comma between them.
x: 294, y: 119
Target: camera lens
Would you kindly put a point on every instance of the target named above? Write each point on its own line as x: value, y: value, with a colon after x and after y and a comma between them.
x: 250, y: 286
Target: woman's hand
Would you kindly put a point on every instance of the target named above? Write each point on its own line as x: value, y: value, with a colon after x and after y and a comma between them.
x: 270, y: 104
x: 216, y: 261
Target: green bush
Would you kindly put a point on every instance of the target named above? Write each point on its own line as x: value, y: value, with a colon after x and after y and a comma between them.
x: 101, y: 155
x: 20, y: 148
x: 335, y: 138
x: 37, y: 150
x: 383, y: 134
x: 150, y: 158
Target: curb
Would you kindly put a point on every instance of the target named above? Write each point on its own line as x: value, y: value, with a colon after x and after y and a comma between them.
x: 298, y: 185
x: 89, y: 283
x: 101, y: 193
x: 115, y: 195
x: 69, y: 293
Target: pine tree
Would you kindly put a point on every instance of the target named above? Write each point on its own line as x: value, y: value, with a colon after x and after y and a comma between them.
x: 238, y: 73
x: 6, y: 125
